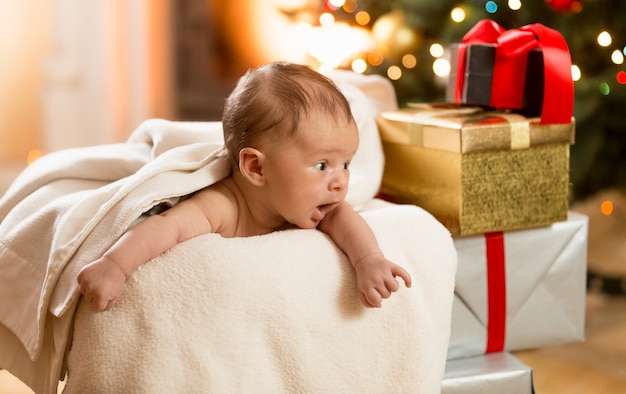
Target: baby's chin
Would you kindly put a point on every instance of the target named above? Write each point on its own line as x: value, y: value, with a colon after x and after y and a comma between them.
x: 309, y: 223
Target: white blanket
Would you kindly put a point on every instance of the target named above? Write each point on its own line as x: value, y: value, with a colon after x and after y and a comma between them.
x: 278, y: 313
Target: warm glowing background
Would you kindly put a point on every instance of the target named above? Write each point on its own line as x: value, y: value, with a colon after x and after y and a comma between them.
x: 76, y: 73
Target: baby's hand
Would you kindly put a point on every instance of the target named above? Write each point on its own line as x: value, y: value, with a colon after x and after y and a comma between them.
x: 101, y: 283
x: 376, y: 279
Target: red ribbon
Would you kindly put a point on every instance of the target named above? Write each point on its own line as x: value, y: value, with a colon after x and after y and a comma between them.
x: 496, y: 292
x: 512, y: 47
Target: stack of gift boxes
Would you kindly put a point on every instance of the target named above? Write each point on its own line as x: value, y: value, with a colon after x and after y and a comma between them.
x: 492, y: 164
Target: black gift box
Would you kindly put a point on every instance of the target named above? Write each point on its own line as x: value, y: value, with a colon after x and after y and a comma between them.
x: 477, y: 83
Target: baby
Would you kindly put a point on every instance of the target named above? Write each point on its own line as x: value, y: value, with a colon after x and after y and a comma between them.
x: 290, y: 136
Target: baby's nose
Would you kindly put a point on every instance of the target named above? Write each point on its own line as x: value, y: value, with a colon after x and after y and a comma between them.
x: 339, y: 181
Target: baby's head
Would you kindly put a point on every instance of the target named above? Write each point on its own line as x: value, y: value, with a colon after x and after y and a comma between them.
x: 271, y: 100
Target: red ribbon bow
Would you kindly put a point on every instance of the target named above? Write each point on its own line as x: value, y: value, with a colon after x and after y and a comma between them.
x: 512, y: 47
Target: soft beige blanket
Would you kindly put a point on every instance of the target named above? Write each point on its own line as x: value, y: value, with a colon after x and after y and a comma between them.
x: 278, y: 313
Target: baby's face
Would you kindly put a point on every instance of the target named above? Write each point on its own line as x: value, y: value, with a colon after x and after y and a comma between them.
x: 308, y: 173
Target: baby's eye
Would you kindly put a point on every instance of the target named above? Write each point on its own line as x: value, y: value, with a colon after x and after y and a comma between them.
x: 346, y: 165
x: 321, y: 166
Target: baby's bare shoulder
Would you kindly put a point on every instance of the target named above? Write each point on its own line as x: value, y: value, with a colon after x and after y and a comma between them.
x: 217, y: 195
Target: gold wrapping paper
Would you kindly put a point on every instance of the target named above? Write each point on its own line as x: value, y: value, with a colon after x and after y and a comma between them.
x: 468, y: 129
x: 472, y: 172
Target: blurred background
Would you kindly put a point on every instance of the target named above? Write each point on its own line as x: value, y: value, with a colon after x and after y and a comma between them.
x: 76, y: 73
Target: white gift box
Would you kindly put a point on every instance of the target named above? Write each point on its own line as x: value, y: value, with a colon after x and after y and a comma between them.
x: 520, y: 289
x: 494, y: 373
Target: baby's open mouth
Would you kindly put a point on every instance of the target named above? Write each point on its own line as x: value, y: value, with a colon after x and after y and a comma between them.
x: 324, y: 209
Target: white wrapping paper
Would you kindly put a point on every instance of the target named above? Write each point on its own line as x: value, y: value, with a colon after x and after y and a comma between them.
x: 541, y: 301
x: 494, y: 373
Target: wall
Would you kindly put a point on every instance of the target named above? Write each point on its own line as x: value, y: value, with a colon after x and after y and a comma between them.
x: 25, y: 42
x: 76, y: 73
x: 111, y: 68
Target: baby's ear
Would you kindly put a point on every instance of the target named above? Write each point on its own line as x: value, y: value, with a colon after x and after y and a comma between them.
x: 251, y: 165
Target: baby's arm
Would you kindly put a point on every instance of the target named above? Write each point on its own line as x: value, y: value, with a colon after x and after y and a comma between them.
x: 102, y: 280
x: 376, y: 276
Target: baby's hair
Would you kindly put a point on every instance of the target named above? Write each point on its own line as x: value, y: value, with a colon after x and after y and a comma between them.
x: 277, y: 96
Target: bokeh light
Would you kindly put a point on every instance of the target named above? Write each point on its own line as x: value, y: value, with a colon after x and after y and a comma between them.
x: 515, y: 4
x: 436, y: 50
x: 394, y: 73
x: 359, y: 66
x: 604, y: 88
x: 621, y: 77
x: 375, y: 58
x: 441, y: 67
x: 457, y: 14
x: 409, y: 61
x: 491, y: 7
x: 350, y: 6
x: 329, y: 6
x: 617, y: 57
x: 606, y: 207
x: 362, y: 18
x: 33, y: 155
x: 604, y: 39
x: 327, y: 19
x: 576, y: 73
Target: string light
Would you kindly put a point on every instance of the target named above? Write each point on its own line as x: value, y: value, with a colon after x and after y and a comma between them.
x: 621, y: 77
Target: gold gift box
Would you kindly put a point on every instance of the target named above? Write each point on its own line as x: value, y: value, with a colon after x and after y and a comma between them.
x: 477, y: 171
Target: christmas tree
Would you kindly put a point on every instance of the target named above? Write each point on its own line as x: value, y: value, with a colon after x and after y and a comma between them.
x: 405, y: 31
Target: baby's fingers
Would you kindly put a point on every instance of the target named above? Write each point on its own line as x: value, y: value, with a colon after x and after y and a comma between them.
x: 100, y: 303
x: 402, y: 273
x: 391, y: 285
x: 372, y: 298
